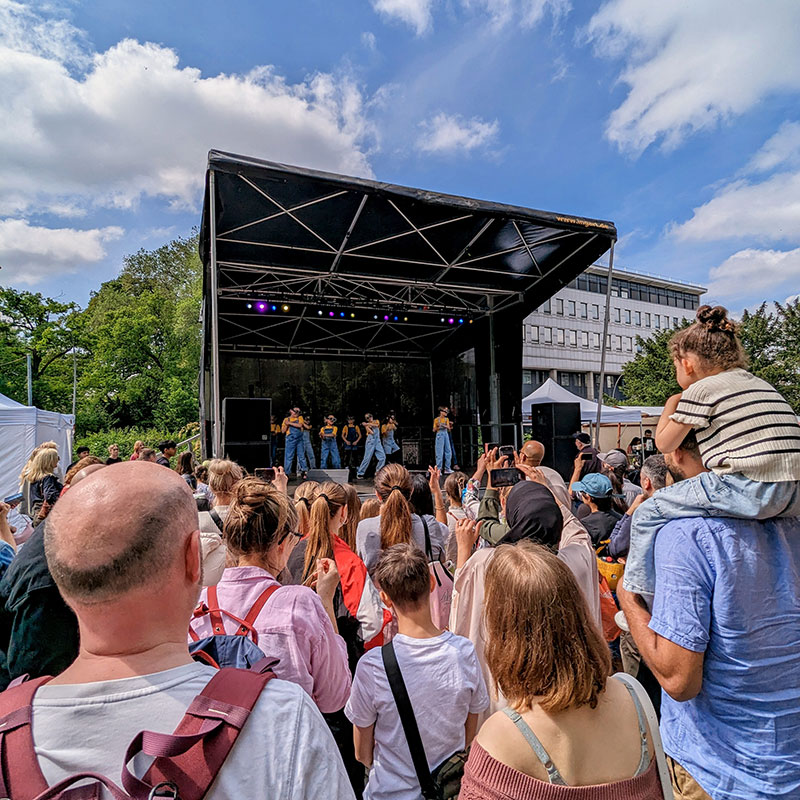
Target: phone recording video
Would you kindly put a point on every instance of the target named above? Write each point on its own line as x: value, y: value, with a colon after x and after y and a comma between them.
x: 509, y: 476
x: 265, y: 473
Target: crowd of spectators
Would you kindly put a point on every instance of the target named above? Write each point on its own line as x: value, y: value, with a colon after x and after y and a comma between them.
x: 438, y: 639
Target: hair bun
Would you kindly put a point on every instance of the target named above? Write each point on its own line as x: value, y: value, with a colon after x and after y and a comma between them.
x: 715, y: 319
x: 253, y: 493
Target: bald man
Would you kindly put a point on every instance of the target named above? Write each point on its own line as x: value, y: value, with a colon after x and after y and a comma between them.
x: 532, y: 453
x: 124, y: 549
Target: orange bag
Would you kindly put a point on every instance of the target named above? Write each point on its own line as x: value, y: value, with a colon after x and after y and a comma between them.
x: 608, y: 610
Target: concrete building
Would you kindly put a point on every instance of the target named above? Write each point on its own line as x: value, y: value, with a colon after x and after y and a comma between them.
x: 561, y: 339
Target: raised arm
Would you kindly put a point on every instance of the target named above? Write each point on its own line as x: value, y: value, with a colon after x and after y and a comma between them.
x: 670, y: 434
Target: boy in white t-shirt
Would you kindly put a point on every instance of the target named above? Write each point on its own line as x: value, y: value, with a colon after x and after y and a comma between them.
x: 441, y: 673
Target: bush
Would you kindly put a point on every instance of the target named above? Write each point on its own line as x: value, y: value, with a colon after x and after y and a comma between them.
x: 99, y: 442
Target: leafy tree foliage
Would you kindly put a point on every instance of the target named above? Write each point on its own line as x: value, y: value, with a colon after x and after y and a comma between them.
x: 771, y: 339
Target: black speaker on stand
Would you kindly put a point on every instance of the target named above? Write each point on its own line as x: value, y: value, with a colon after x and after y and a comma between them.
x: 554, y: 425
x: 246, y: 431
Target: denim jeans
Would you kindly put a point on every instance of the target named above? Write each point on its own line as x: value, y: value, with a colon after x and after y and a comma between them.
x: 389, y: 444
x: 705, y: 495
x: 309, y: 450
x: 294, y: 447
x: 372, y: 447
x: 329, y: 448
x: 444, y: 455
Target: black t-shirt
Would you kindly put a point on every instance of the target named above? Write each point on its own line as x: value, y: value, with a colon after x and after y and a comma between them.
x: 110, y: 460
x: 163, y: 460
x: 599, y: 525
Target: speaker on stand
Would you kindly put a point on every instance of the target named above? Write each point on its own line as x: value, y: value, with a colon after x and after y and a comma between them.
x: 246, y: 431
x: 554, y: 425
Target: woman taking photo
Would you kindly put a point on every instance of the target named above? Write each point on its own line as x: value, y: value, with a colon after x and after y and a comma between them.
x: 397, y: 523
x: 551, y: 664
x: 296, y: 625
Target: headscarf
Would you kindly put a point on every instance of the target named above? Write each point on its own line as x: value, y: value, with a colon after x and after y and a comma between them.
x: 532, y: 513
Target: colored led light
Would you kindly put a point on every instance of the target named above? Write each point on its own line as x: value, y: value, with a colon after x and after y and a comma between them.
x: 330, y: 313
x: 286, y: 308
x: 386, y: 317
x: 319, y: 312
x: 341, y: 313
x: 451, y: 321
x: 261, y: 306
x: 274, y: 308
x: 249, y: 305
x: 461, y: 322
x: 352, y: 316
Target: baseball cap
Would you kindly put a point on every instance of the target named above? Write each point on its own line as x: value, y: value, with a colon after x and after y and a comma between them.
x: 582, y: 437
x: 614, y: 459
x: 594, y: 484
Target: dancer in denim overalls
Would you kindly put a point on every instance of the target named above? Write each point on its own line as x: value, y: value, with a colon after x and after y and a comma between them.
x: 293, y: 429
x: 329, y: 447
x: 372, y: 446
x: 444, y: 453
x: 390, y: 446
x: 308, y: 449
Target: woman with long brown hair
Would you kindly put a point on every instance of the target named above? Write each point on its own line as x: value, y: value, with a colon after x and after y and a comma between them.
x: 397, y: 524
x: 304, y: 496
x: 549, y: 661
x: 348, y: 530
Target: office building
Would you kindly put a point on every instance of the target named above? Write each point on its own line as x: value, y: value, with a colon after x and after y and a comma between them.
x: 561, y: 339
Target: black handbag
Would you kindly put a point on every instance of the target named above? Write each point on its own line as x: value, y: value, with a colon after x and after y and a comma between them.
x: 444, y: 783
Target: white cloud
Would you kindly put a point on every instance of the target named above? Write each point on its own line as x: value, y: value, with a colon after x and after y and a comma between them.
x: 792, y: 298
x: 135, y: 123
x: 369, y: 41
x: 689, y: 66
x: 448, y: 134
x: 782, y: 149
x: 29, y: 254
x: 752, y: 271
x: 416, y: 13
x: 765, y: 211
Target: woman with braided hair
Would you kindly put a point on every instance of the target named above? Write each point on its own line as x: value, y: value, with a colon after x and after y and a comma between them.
x: 296, y: 625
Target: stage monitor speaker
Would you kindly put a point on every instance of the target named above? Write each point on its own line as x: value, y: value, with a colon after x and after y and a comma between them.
x: 246, y: 430
x: 335, y: 475
x: 554, y: 425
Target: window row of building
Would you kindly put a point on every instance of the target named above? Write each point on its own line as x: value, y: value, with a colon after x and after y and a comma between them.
x: 626, y: 316
x: 541, y: 334
x: 633, y: 290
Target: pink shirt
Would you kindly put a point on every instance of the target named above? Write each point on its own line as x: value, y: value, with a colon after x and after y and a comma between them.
x: 292, y: 627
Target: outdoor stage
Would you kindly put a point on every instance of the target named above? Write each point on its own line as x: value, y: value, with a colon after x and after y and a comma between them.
x: 348, y: 296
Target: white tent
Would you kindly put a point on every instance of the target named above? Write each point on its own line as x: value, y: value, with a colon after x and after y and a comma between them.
x: 21, y: 429
x: 551, y: 392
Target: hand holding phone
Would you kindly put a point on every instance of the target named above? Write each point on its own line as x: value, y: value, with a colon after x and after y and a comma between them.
x: 509, y: 476
x: 265, y: 473
x: 13, y: 499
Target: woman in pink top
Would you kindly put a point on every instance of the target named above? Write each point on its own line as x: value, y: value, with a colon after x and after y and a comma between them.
x: 296, y: 625
x: 550, y: 662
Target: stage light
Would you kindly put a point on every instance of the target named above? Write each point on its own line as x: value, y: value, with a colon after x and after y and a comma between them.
x: 385, y: 317
x: 442, y: 319
x: 249, y: 305
x: 341, y: 313
x: 461, y: 322
x: 330, y: 313
x: 450, y: 321
x: 405, y: 319
x: 274, y: 308
x: 395, y: 319
x: 286, y: 308
x: 261, y: 306
x: 352, y: 316
x: 319, y: 312
x: 470, y: 322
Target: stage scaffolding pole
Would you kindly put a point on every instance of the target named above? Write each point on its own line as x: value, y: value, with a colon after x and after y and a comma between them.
x: 603, y: 349
x: 494, y: 394
x: 215, y: 377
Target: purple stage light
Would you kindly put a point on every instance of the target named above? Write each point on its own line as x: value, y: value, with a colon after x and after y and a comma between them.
x: 385, y: 318
x: 451, y: 321
x: 330, y: 313
x: 261, y: 306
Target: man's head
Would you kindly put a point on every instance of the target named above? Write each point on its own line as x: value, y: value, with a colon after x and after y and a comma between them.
x: 648, y: 432
x: 147, y: 454
x: 653, y: 475
x: 82, y: 452
x: 581, y: 440
x: 595, y: 489
x: 686, y: 461
x: 403, y: 575
x: 614, y: 459
x: 532, y: 453
x: 168, y: 448
x: 117, y: 544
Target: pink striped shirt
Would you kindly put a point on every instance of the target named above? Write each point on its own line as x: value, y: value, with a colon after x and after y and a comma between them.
x: 292, y: 627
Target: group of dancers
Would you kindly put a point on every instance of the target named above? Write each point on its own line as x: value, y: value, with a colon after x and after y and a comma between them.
x: 378, y: 440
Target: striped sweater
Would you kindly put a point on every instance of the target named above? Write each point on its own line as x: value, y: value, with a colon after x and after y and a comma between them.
x: 743, y: 425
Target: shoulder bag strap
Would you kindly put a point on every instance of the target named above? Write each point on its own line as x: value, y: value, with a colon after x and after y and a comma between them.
x: 193, y: 755
x: 655, y: 735
x: 428, y: 548
x: 217, y: 519
x: 408, y: 720
x: 21, y: 777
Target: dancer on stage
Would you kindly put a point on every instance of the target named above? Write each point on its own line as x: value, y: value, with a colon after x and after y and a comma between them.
x: 390, y: 446
x: 329, y: 447
x: 372, y: 446
x: 351, y: 436
x: 308, y: 449
x: 456, y: 468
x: 444, y: 453
x: 292, y: 428
x: 275, y: 432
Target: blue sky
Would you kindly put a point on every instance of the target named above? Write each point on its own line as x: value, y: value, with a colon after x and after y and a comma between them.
x: 678, y: 121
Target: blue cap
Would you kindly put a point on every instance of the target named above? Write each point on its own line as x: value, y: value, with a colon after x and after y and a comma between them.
x: 594, y: 484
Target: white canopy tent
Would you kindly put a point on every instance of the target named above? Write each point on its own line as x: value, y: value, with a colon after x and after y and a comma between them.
x: 551, y: 392
x: 21, y: 429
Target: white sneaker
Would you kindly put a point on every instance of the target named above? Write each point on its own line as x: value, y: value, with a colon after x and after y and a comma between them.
x: 622, y: 623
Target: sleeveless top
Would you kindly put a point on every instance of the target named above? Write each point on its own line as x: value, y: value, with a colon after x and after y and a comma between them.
x: 486, y: 778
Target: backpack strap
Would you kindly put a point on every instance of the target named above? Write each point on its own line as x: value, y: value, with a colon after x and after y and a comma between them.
x: 26, y: 781
x: 255, y: 609
x: 409, y: 721
x: 215, y: 613
x: 193, y: 755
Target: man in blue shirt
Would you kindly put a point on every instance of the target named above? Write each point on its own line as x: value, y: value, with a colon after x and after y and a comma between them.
x: 724, y: 642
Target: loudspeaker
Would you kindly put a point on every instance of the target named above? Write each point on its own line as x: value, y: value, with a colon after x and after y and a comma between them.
x: 336, y: 475
x: 554, y: 424
x: 246, y: 430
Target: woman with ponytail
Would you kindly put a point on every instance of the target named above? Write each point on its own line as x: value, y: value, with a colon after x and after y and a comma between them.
x: 747, y: 435
x: 304, y: 496
x: 360, y: 615
x: 296, y: 625
x: 397, y: 524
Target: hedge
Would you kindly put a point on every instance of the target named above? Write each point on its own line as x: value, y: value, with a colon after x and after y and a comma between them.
x: 99, y: 442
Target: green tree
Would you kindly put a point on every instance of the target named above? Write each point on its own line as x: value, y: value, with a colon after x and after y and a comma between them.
x: 649, y: 379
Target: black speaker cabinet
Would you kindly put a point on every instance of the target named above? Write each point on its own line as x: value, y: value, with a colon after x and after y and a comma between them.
x: 554, y: 424
x: 246, y: 430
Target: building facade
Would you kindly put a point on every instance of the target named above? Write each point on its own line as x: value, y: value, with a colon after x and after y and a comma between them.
x: 561, y: 339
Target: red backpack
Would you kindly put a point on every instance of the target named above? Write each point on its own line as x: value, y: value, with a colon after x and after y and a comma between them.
x: 186, y: 761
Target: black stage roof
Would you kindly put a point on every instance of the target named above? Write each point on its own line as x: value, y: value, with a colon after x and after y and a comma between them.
x: 359, y: 268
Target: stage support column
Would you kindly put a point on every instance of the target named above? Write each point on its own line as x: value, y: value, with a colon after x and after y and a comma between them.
x: 601, y: 387
x: 216, y: 405
x: 494, y: 378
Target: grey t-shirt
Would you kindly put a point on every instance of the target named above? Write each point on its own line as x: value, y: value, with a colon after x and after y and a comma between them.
x: 368, y: 538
